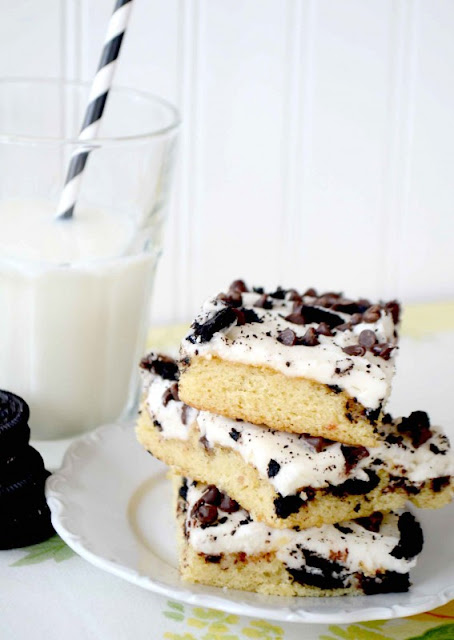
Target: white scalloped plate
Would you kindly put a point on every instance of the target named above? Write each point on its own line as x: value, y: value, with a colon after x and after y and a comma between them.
x: 111, y: 503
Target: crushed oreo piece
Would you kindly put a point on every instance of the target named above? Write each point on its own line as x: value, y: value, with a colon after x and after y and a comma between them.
x: 279, y: 294
x: 385, y: 582
x: 285, y: 506
x: 383, y: 350
x: 234, y: 434
x: 263, y: 302
x: 162, y: 366
x: 438, y: 484
x: 317, y: 315
x: 157, y: 424
x: 356, y: 487
x: 319, y: 572
x: 411, y: 537
x: 342, y: 529
x: 335, y: 388
x: 205, y: 513
x: 183, y: 490
x: 213, y: 559
x: 221, y: 320
x: 417, y: 426
x: 273, y: 468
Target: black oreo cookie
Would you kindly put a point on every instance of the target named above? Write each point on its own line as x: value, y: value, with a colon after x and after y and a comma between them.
x: 28, y: 526
x: 14, y: 430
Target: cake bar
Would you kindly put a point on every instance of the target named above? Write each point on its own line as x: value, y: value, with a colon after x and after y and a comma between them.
x: 293, y: 480
x: 299, y: 362
x: 220, y: 544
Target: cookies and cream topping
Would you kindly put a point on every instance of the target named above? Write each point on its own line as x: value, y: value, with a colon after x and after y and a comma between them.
x: 409, y: 448
x: 325, y: 338
x: 352, y: 545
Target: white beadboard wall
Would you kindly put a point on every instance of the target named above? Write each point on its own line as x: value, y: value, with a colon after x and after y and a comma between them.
x: 318, y: 138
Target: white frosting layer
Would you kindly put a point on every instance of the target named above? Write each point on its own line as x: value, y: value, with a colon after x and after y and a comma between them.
x: 366, y: 378
x: 300, y: 465
x: 169, y: 416
x: 361, y: 550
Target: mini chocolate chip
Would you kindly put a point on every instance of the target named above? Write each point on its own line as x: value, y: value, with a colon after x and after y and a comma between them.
x: 372, y: 522
x: 294, y: 296
x: 393, y: 307
x: 295, y: 318
x: 273, y: 468
x: 238, y: 285
x: 228, y: 505
x: 383, y: 350
x: 367, y: 338
x: 310, y: 338
x: 356, y: 318
x: 263, y: 302
x: 323, y: 329
x: 354, y: 350
x: 353, y: 455
x: 287, y: 337
x: 212, y: 495
x: 206, y: 513
x: 316, y: 442
x: 344, y: 327
x: 310, y: 292
x: 328, y: 299
x: 234, y: 434
x: 372, y: 314
x: 170, y: 394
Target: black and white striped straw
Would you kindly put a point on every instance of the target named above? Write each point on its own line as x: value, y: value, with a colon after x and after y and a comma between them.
x: 96, y: 104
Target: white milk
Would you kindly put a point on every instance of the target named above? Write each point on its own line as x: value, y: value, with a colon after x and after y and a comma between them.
x: 73, y: 315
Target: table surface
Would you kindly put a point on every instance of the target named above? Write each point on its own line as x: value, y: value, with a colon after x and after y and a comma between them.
x: 47, y: 591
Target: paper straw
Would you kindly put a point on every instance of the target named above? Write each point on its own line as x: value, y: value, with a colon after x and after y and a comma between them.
x: 97, y: 99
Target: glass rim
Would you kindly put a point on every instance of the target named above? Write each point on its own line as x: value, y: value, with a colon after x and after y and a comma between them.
x: 175, y: 120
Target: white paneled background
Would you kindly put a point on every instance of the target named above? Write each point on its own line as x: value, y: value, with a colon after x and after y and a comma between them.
x: 318, y: 139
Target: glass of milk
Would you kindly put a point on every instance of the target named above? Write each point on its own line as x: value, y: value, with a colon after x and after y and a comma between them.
x: 75, y: 294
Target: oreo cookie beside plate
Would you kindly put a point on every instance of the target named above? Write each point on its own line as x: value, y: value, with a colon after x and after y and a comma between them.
x: 27, y: 527
x: 14, y: 429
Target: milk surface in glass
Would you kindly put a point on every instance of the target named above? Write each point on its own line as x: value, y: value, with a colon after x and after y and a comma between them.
x: 73, y: 314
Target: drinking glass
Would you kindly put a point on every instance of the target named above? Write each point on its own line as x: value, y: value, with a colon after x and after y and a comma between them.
x: 75, y: 294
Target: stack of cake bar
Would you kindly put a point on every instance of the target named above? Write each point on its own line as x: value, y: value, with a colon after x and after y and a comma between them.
x: 289, y: 476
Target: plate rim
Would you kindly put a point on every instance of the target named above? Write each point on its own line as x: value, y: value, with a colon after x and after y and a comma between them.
x: 55, y: 495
